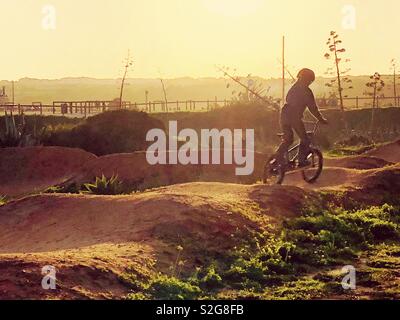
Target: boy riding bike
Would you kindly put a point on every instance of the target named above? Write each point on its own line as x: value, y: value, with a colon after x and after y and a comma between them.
x: 298, y: 99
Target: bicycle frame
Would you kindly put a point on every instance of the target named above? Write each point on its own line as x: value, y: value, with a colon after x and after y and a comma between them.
x: 297, y: 146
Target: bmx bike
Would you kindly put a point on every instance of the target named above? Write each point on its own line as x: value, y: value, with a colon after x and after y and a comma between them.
x: 274, y: 171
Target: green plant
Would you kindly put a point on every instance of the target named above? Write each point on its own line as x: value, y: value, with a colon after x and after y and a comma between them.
x: 211, y: 280
x: 3, y: 200
x: 104, y: 186
x: 176, y: 268
x: 170, y: 288
x: 17, y: 134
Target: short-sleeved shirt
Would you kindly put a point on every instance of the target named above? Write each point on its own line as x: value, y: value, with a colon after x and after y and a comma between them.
x: 298, y: 99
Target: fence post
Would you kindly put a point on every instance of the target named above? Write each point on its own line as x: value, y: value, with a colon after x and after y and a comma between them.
x: 54, y: 108
x: 357, y: 102
x: 208, y: 105
x: 377, y: 101
x: 194, y: 105
x: 19, y: 109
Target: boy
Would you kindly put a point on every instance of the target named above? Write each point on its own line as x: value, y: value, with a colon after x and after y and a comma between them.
x: 298, y: 99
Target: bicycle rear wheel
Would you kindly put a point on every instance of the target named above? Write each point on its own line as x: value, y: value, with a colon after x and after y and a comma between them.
x: 273, y: 172
x: 312, y: 173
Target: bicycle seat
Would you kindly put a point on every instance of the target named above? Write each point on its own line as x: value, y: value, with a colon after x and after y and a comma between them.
x: 280, y: 134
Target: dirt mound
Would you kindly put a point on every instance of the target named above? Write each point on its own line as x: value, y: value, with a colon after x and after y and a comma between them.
x: 330, y: 178
x: 134, y: 170
x: 373, y: 187
x: 357, y: 162
x: 377, y: 187
x: 101, y: 237
x: 94, y: 240
x: 30, y: 170
x: 389, y: 152
x: 27, y: 170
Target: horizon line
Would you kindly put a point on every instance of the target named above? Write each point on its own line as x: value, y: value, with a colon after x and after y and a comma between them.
x: 173, y: 78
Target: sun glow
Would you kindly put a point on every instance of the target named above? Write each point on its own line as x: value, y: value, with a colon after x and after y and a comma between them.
x: 233, y: 8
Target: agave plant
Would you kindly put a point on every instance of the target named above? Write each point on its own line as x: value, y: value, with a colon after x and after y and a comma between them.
x: 104, y: 186
x: 3, y: 200
x: 15, y: 134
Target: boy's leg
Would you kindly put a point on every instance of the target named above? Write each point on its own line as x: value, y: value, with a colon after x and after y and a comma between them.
x: 304, y: 147
x: 287, y: 141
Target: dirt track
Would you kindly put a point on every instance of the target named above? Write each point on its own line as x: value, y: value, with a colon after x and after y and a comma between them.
x: 101, y: 237
x: 31, y: 170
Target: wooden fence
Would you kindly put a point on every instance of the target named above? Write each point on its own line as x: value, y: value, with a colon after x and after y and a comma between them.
x: 88, y: 108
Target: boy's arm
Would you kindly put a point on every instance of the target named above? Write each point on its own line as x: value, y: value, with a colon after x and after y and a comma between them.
x: 312, y: 106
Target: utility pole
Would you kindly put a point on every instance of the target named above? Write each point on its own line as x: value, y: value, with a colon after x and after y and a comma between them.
x: 12, y: 92
x: 283, y: 71
x: 394, y: 86
x: 394, y: 81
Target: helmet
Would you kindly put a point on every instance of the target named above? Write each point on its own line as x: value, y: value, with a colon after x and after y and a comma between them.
x: 306, y: 74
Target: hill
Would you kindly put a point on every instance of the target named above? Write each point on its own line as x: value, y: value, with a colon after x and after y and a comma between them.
x: 28, y: 90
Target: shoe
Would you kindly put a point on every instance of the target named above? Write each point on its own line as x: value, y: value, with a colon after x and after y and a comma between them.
x: 305, y: 163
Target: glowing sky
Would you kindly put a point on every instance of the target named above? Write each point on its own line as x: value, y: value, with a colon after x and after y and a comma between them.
x: 188, y: 37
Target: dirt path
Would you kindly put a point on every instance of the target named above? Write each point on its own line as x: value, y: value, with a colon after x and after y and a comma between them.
x: 104, y: 236
x: 100, y: 238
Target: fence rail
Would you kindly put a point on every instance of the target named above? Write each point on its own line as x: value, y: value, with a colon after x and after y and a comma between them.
x: 88, y: 108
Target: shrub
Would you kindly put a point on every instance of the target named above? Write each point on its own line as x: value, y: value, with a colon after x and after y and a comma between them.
x: 383, y: 230
x: 212, y: 280
x: 171, y: 288
x: 110, y: 132
x: 104, y: 186
x: 137, y: 296
x: 355, y: 140
x: 252, y: 269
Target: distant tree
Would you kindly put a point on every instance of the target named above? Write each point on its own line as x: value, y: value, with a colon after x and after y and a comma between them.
x: 340, y: 81
x: 377, y: 85
x: 165, y: 94
x: 127, y: 64
x: 254, y: 90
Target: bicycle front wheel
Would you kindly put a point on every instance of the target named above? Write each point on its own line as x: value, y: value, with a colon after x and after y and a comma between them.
x: 274, y: 173
x: 314, y: 170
